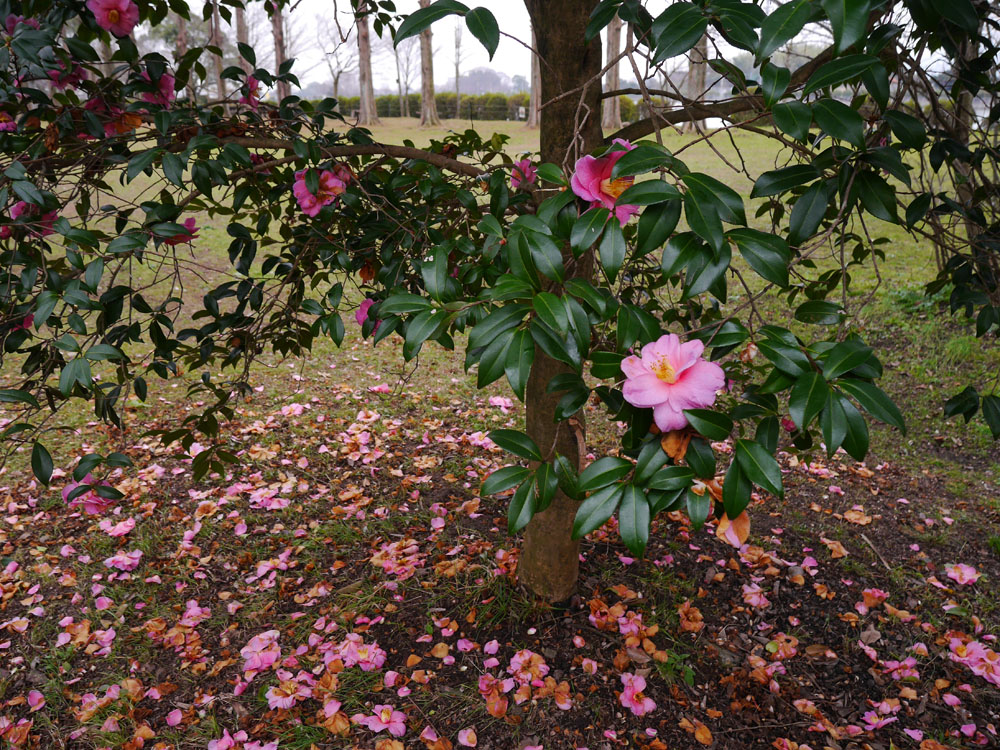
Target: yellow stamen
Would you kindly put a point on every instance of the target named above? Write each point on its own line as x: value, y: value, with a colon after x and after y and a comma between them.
x: 663, y: 370
x: 113, y: 15
x: 615, y: 188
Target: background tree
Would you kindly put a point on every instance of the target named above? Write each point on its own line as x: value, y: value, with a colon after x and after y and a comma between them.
x: 534, y: 101
x: 428, y: 104
x: 280, y: 47
x: 366, y: 111
x: 611, y: 106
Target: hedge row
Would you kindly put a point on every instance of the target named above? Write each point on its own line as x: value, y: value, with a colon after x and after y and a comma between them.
x: 472, y: 107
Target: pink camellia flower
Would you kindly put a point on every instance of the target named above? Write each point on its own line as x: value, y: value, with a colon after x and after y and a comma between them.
x: 592, y: 181
x: 385, y: 717
x: 228, y: 741
x: 7, y: 124
x: 165, y: 89
x: 330, y: 188
x: 261, y: 653
x: 252, y: 98
x: 92, y: 502
x: 124, y: 561
x: 12, y: 22
x: 671, y: 376
x: 523, y: 173
x: 36, y: 228
x: 117, y: 16
x: 362, y: 314
x: 632, y: 696
x: 62, y: 78
x: 962, y: 574
x: 26, y: 323
x: 183, y: 237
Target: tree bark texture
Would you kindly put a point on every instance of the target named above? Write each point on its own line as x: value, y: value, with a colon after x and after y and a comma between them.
x: 367, y: 114
x: 570, y: 127
x: 428, y: 105
x: 243, y: 37
x: 280, y: 50
x: 536, y: 87
x: 216, y: 41
x: 612, y: 108
x: 697, y: 63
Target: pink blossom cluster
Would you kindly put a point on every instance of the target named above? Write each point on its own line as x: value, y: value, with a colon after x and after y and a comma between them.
x: 117, y: 16
x: 353, y: 651
x: 332, y: 183
x: 164, y: 94
x: 124, y: 561
x: 290, y: 689
x: 400, y: 559
x: 41, y: 227
x: 632, y: 696
x: 982, y: 660
x: 527, y: 667
x: 384, y: 717
x: 92, y: 503
x: 261, y: 653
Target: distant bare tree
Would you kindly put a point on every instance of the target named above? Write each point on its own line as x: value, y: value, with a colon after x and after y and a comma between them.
x: 612, y: 110
x: 697, y: 63
x: 342, y: 57
x: 534, y: 100
x: 280, y: 47
x: 367, y: 115
x: 243, y: 37
x: 215, y: 40
x: 458, y: 65
x: 428, y: 105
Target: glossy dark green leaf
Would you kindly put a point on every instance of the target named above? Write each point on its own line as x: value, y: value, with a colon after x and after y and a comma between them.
x: 819, y: 312
x: 774, y: 80
x: 633, y: 519
x: 779, y: 180
x: 839, y: 121
x: 641, y: 159
x: 844, y: 357
x: 700, y: 458
x: 877, y: 197
x: 991, y: 414
x: 698, y: 508
x: 656, y: 225
x: 808, y: 212
x: 671, y: 478
x: 677, y: 30
x: 807, y: 398
x: 839, y: 71
x: 41, y: 463
x: 483, y: 26
x: 713, y: 425
x: 703, y: 218
x: 588, y: 228
x: 516, y: 442
x: 596, y: 510
x: 520, y: 357
x: 504, y: 479
x: 522, y: 507
x: 14, y: 396
x: 856, y: 440
x: 736, y: 491
x: 728, y: 203
x: 759, y: 466
x: 648, y: 193
x: 782, y: 26
x: 874, y: 401
x: 767, y: 254
x: 612, y: 250
x: 833, y: 422
x: 602, y: 472
x: 422, y: 18
x: 849, y: 20
x: 793, y: 118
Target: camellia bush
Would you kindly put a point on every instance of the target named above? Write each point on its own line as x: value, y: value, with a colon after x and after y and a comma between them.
x: 603, y: 270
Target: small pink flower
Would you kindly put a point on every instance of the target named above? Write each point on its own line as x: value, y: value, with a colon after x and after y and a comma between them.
x: 252, y: 97
x: 592, y: 181
x: 362, y: 314
x: 330, y: 189
x: 632, y: 696
x: 188, y: 236
x: 12, y: 22
x: 260, y: 653
x: 962, y: 574
x: 62, y: 78
x: 228, y: 741
x: 41, y: 227
x: 671, y: 376
x: 117, y: 16
x: 523, y: 173
x: 7, y: 124
x: 384, y: 717
x: 92, y: 502
x: 164, y: 94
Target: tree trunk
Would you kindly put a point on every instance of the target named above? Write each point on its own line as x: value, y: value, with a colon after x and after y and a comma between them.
x: 534, y: 104
x: 243, y: 37
x: 216, y: 41
x: 549, y: 561
x: 458, y: 62
x: 283, y: 88
x: 399, y: 84
x: 367, y: 114
x: 696, y: 78
x: 611, y: 107
x: 428, y: 105
x: 181, y: 49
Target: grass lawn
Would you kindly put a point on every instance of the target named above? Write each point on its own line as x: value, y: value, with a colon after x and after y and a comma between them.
x: 348, y: 564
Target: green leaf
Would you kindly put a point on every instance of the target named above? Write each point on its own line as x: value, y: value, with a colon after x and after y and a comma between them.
x: 779, y: 180
x: 736, y: 491
x: 712, y: 424
x: 774, y: 81
x: 587, y: 228
x: 516, y: 442
x: 677, y: 30
x: 680, y: 251
x: 647, y: 193
x: 844, y: 357
x: 849, y: 19
x: 651, y: 459
x: 596, y: 510
x: 728, y: 203
x: 546, y: 486
x: 962, y: 13
x: 759, y: 466
x: 602, y: 472
x: 600, y: 17
x: 819, y: 312
x: 767, y: 254
x: 833, y: 422
x: 484, y: 27
x: 401, y: 303
x: 856, y: 441
x: 918, y: 209
x: 671, y: 478
x: 141, y: 161
x: 173, y: 168
x: 808, y: 212
x: 522, y: 507
x: 782, y: 26
x: 41, y: 463
x: 839, y: 121
x: 502, y: 319
x: 700, y: 458
x: 874, y: 401
x: 76, y: 371
x: 656, y: 225
x: 633, y: 519
x: 839, y: 71
x: 420, y: 328
x: 698, y: 508
x: 520, y: 357
x: 551, y: 310
x: 641, y: 159
x: 908, y: 129
x: 13, y: 396
x: 421, y: 19
x: 545, y: 255
x: 612, y: 250
x: 704, y: 220
x: 504, y: 479
x: 793, y: 118
x: 492, y: 360
x: 807, y: 398
x: 878, y: 198
x: 552, y: 173
x: 991, y: 414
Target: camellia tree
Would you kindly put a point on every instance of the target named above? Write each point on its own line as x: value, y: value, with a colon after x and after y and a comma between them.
x: 605, y: 269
